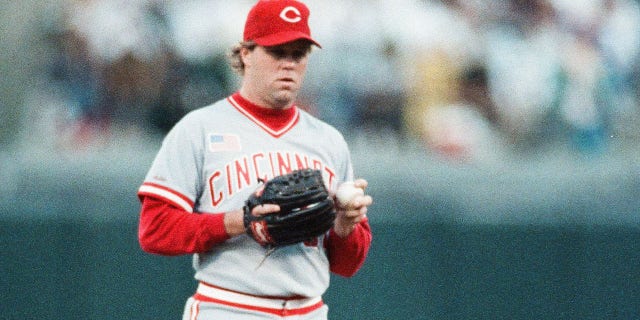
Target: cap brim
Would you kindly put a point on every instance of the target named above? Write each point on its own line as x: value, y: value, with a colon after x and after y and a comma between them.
x: 284, y: 37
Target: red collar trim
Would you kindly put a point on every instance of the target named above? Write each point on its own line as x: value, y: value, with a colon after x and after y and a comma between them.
x: 275, y: 122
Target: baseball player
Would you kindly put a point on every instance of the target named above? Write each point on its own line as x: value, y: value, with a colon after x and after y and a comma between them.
x: 210, y: 163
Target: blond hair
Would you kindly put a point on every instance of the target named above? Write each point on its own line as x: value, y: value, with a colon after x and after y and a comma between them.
x: 235, y: 60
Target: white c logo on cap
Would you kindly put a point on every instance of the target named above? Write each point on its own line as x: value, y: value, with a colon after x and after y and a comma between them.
x: 297, y: 18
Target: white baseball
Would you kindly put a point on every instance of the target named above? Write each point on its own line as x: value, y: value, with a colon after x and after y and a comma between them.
x: 347, y: 192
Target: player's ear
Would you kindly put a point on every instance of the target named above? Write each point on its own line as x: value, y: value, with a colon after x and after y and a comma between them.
x: 245, y: 54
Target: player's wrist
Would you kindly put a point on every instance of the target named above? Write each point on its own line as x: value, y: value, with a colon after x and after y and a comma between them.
x: 233, y: 222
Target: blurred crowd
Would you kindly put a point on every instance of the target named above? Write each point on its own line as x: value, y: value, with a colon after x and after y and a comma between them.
x: 466, y: 79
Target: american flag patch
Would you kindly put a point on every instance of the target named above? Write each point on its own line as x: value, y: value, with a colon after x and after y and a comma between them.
x: 224, y: 142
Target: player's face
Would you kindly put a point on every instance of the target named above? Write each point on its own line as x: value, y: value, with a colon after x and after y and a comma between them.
x: 275, y: 74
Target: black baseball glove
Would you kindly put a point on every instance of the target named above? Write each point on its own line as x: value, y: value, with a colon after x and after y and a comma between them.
x: 306, y: 209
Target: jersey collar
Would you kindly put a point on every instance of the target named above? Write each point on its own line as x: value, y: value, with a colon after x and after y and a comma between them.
x: 274, y: 122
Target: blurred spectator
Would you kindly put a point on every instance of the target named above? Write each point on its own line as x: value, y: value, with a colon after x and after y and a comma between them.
x: 619, y: 43
x: 584, y: 100
x: 596, y: 92
x: 381, y: 107
x: 78, y: 74
x: 524, y: 63
x: 463, y: 130
x: 447, y: 42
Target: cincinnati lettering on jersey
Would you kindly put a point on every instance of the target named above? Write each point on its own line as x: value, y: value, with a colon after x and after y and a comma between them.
x: 245, y: 172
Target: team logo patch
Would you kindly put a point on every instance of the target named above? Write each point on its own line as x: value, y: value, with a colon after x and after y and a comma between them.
x: 220, y: 142
x: 291, y: 14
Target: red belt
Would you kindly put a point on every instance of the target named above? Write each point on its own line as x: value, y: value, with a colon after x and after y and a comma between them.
x: 272, y: 305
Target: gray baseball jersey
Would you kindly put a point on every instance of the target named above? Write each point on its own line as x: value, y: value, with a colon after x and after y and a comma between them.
x: 211, y: 161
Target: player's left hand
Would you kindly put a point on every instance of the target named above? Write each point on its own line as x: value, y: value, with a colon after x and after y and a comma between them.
x: 347, y: 218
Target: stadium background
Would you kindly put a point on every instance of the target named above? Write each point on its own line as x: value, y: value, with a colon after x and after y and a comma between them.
x: 502, y: 152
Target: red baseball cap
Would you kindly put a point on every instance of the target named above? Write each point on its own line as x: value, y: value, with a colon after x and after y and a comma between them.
x: 275, y: 22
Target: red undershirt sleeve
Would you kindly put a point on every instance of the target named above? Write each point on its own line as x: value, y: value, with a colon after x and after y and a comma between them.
x: 168, y: 230
x: 347, y: 255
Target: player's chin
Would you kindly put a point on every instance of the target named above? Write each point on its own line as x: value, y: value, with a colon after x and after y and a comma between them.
x: 285, y: 96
